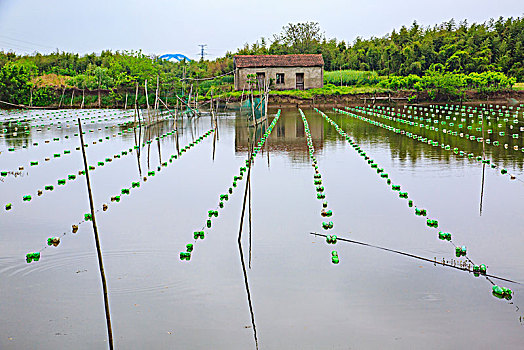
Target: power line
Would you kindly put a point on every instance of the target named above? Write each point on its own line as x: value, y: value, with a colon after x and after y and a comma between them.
x: 24, y: 41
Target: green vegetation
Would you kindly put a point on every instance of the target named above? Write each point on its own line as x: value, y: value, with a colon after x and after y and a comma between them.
x: 462, y: 48
x: 438, y: 82
x: 444, y: 60
x: 351, y: 77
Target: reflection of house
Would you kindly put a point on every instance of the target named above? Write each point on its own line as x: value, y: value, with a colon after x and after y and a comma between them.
x: 288, y: 135
x: 285, y: 72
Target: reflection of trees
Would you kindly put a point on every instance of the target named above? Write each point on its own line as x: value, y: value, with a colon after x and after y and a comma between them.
x: 406, y: 149
x: 22, y: 136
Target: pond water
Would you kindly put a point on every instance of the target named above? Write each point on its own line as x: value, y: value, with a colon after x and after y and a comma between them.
x: 278, y: 289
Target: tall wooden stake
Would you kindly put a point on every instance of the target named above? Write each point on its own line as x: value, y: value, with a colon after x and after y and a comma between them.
x: 97, y: 241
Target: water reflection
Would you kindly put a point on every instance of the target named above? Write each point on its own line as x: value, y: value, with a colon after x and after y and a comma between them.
x: 287, y: 137
x: 246, y: 195
x: 407, y: 150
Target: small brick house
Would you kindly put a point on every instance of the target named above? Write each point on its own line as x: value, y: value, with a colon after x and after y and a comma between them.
x: 286, y: 72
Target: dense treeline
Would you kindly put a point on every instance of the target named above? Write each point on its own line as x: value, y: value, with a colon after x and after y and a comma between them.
x: 446, y: 59
x: 496, y: 45
x: 35, y: 78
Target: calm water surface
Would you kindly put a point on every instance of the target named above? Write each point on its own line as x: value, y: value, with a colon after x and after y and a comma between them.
x: 299, y: 299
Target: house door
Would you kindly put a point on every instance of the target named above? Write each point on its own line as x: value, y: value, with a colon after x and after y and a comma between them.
x: 300, y: 81
x: 261, y: 78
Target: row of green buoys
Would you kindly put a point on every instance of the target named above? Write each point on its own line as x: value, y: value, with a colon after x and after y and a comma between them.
x: 94, y: 142
x: 71, y: 177
x: 442, y: 126
x: 223, y: 198
x: 459, y: 251
x: 35, y: 256
x: 433, y: 143
x: 64, y: 117
x: 24, y: 129
x: 317, y: 181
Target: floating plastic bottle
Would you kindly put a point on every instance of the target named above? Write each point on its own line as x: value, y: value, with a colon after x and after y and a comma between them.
x: 54, y: 241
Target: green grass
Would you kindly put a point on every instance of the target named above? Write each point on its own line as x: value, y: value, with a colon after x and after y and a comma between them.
x: 327, y: 90
x: 518, y: 86
x: 351, y: 78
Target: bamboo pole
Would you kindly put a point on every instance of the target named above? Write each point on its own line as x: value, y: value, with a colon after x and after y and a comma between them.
x: 147, y: 103
x: 72, y: 95
x: 83, y: 99
x: 97, y: 240
x: 125, y: 105
x: 61, y: 97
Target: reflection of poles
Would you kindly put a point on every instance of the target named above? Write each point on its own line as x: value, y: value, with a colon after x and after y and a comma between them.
x: 482, y: 188
x: 250, y: 304
x: 483, y: 167
x: 249, y: 193
x: 97, y: 241
x: 214, y: 142
x: 137, y: 144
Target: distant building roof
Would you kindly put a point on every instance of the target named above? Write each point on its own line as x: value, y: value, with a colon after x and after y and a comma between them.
x: 252, y: 61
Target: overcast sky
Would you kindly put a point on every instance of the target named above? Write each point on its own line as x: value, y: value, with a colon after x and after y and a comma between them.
x: 163, y: 26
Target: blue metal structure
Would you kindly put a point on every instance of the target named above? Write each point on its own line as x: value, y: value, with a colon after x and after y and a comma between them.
x: 177, y: 56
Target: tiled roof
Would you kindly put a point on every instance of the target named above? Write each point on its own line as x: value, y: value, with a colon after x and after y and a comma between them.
x: 251, y: 61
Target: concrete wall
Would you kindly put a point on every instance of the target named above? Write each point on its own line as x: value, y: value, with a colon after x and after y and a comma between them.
x: 313, y: 77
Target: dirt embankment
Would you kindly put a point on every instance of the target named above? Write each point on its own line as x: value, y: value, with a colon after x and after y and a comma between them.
x: 283, y: 101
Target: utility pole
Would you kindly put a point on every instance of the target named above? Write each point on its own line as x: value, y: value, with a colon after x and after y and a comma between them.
x: 202, y: 53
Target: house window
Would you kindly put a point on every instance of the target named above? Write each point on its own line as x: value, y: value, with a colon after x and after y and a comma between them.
x: 280, y: 78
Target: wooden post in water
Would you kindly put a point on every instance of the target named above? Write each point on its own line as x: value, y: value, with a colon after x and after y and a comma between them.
x: 97, y: 241
x: 147, y: 103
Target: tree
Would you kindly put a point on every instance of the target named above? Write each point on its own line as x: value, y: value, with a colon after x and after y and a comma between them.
x: 301, y: 37
x: 16, y: 82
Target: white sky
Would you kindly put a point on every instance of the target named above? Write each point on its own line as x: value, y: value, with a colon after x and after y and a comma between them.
x: 163, y: 26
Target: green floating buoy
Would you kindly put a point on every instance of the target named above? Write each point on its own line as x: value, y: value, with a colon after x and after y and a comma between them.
x: 35, y: 256
x: 460, y: 251
x: 8, y: 206
x: 420, y: 212
x: 432, y: 223
x: 88, y: 217
x: 185, y: 256
x: 198, y: 234
x: 331, y: 239
x: 334, y: 257
x: 502, y: 293
x: 444, y: 236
